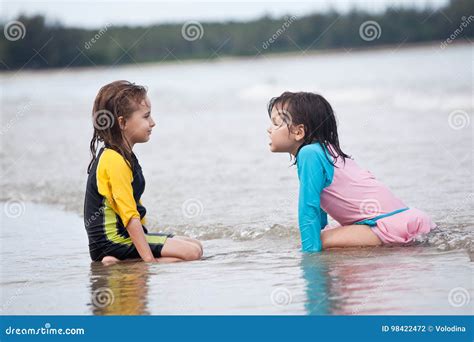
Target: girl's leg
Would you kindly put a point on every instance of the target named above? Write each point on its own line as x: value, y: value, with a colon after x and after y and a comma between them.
x: 178, y: 248
x: 175, y: 249
x: 185, y: 238
x: 110, y: 260
x: 167, y: 260
x: 349, y: 236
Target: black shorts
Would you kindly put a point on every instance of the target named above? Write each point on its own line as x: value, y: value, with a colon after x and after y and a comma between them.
x: 122, y: 252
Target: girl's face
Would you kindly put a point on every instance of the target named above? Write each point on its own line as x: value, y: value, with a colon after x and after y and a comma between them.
x: 137, y: 128
x: 284, y: 136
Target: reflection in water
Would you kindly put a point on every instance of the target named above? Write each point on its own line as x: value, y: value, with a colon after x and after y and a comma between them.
x: 318, y: 285
x: 119, y: 289
x: 349, y: 287
x: 368, y: 281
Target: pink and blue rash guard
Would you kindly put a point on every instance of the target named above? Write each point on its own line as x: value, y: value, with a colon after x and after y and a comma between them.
x: 346, y: 192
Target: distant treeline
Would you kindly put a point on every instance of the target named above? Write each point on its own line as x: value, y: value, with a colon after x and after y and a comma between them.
x: 33, y: 42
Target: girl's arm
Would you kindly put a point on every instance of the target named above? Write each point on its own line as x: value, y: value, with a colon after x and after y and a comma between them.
x: 324, y: 219
x: 137, y: 235
x: 115, y: 184
x: 313, y: 179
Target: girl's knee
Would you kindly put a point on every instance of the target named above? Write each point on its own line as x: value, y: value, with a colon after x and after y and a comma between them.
x: 192, y: 252
x: 199, y: 244
x: 182, y: 249
x: 191, y: 240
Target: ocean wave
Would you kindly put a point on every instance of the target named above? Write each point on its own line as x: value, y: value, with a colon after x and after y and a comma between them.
x: 441, y: 238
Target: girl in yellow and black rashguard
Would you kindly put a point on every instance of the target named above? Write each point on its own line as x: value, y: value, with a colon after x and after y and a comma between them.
x: 114, y: 215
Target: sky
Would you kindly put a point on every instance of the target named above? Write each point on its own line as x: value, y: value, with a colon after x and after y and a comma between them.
x: 92, y: 14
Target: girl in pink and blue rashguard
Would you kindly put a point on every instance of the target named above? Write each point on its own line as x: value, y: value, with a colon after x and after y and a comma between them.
x: 369, y: 214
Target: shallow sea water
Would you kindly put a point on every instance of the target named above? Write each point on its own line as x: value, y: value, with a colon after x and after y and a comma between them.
x: 209, y: 175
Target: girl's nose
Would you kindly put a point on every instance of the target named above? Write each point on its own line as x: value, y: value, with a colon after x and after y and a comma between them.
x: 269, y: 130
x: 153, y: 124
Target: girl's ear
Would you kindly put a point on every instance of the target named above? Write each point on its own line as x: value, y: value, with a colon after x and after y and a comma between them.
x: 299, y: 132
x: 121, y: 121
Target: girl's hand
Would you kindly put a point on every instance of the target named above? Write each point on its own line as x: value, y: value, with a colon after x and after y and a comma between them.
x: 135, y: 230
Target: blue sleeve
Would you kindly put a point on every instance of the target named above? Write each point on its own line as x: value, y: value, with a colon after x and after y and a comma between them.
x: 324, y: 219
x: 313, y: 176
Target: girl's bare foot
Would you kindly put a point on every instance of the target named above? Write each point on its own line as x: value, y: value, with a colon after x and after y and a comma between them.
x: 109, y: 260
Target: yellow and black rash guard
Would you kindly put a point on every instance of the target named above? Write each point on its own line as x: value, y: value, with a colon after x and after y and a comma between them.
x: 112, y: 199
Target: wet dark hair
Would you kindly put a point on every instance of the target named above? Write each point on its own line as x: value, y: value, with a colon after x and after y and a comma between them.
x: 119, y: 98
x: 316, y: 115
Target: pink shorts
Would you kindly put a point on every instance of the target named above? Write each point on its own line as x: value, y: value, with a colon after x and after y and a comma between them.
x: 403, y: 227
